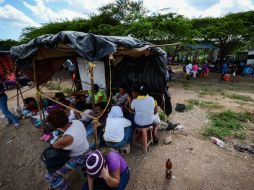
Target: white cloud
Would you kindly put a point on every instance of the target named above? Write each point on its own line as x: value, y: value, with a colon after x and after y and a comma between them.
x: 189, y: 8
x: 1, y: 1
x: 47, y: 14
x: 15, y: 16
x: 185, y: 8
x: 89, y: 6
x: 228, y: 6
x: 177, y: 6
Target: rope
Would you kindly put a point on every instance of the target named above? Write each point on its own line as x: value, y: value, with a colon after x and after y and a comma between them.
x: 91, y: 66
x: 94, y: 118
x: 80, y: 112
x: 96, y: 122
x: 110, y: 87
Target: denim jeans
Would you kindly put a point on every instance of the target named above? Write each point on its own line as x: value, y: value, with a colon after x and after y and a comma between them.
x: 127, y: 138
x: 3, y: 106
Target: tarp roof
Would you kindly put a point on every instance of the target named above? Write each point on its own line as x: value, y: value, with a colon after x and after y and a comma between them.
x: 50, y: 51
x: 91, y: 47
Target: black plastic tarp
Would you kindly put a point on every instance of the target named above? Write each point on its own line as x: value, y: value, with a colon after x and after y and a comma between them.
x: 50, y: 51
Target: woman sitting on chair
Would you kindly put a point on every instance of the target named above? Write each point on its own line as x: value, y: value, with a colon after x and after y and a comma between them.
x: 118, y: 130
x: 144, y: 106
x: 74, y: 139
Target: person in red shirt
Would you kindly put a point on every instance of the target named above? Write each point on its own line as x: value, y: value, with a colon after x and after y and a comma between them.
x: 9, y: 79
x: 195, y: 70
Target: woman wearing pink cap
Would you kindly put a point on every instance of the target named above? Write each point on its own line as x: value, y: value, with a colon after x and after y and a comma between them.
x: 109, y: 172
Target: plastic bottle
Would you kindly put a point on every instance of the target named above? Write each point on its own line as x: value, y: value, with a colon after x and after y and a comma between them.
x: 218, y: 142
x: 168, y: 169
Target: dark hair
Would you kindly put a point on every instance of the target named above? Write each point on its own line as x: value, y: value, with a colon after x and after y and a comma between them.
x: 96, y: 87
x: 67, y: 103
x: 29, y: 100
x: 142, y: 90
x: 99, y: 105
x: 60, y: 96
x: 57, y: 118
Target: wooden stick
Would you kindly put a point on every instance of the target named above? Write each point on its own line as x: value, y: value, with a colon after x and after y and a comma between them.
x: 38, y: 92
x: 164, y: 45
x: 20, y: 93
x: 95, y: 127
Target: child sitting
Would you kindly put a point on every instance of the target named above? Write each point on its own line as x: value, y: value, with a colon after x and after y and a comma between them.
x: 30, y: 107
x: 72, y: 115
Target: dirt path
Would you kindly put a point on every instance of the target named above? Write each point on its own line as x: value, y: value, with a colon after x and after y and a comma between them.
x: 197, y: 163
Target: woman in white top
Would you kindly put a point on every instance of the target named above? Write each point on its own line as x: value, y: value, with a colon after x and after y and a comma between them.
x: 118, y: 130
x: 74, y: 139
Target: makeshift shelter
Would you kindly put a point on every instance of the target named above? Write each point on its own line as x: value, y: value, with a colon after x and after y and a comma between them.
x: 134, y: 62
x: 210, y: 48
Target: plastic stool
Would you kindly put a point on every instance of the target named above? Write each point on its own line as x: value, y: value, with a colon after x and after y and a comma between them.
x: 145, y: 137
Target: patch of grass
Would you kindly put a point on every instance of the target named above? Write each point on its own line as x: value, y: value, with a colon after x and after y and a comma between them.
x: 240, y: 97
x: 202, y: 104
x: 240, y: 135
x: 189, y: 106
x: 211, y: 91
x: 228, y: 124
x: 53, y: 86
x: 162, y: 116
x: 67, y: 90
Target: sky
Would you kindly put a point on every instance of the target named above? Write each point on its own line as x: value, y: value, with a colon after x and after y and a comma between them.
x: 18, y: 14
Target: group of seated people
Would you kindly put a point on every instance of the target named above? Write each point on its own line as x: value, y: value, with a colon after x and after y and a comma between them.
x: 104, y: 170
x: 127, y: 111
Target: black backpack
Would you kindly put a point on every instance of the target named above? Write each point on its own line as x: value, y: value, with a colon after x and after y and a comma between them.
x: 180, y: 107
x: 54, y: 158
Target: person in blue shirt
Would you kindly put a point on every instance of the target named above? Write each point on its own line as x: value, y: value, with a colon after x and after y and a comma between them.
x: 224, y: 68
x: 248, y: 70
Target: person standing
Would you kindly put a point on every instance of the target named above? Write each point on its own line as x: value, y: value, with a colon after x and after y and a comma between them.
x: 12, y: 119
x: 195, y: 70
x: 188, y: 71
x: 206, y: 69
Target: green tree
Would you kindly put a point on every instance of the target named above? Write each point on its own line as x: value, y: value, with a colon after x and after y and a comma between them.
x: 125, y: 11
x: 229, y: 32
x: 30, y: 33
x: 166, y: 28
x: 7, y: 44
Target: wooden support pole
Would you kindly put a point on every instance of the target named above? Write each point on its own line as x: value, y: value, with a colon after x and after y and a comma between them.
x: 92, y: 87
x: 165, y: 45
x: 95, y: 125
x: 38, y: 92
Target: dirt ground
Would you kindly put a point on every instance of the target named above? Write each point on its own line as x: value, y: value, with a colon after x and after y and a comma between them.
x: 198, y: 164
